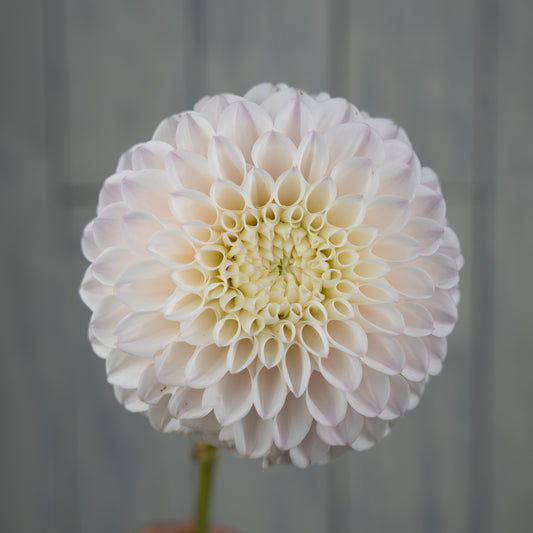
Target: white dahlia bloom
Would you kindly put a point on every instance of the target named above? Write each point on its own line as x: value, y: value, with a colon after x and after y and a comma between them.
x: 273, y: 272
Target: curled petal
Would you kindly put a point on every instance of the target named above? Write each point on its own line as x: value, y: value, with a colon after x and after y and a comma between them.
x: 190, y: 170
x: 227, y: 196
x: 206, y: 366
x: 294, y: 120
x: 172, y: 248
x: 313, y: 338
x: 241, y: 354
x: 320, y: 195
x: 227, y: 160
x: 347, y: 211
x: 199, y: 329
x: 296, y: 368
x: 347, y: 336
x: 274, y: 152
x: 313, y: 157
x: 382, y: 317
x: 290, y: 188
x: 189, y: 205
x: 258, y: 188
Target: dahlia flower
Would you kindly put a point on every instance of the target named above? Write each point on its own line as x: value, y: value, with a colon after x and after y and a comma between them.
x: 273, y: 272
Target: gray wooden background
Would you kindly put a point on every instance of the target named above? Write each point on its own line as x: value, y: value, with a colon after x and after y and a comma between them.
x: 83, y: 80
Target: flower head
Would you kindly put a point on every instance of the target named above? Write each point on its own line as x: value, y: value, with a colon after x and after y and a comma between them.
x: 273, y: 271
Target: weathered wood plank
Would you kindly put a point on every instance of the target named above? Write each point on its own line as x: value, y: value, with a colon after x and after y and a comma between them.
x: 512, y: 428
x: 405, y: 64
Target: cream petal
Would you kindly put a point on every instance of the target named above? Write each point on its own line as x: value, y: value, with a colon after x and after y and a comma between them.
x: 144, y: 333
x: 243, y: 122
x: 398, y: 399
x: 290, y: 188
x: 124, y: 369
x: 345, y: 432
x: 274, y: 152
x: 200, y: 233
x: 150, y: 155
x: 370, y: 270
x: 148, y: 190
x: 111, y: 263
x: 313, y: 156
x: 347, y: 211
x: 253, y: 436
x: 388, y: 213
x: 385, y: 354
x: 338, y: 308
x: 271, y: 351
x: 137, y: 228
x: 166, y: 130
x: 145, y: 285
x: 411, y: 281
x: 441, y: 269
x: 428, y: 204
x: 332, y: 112
x: 227, y: 196
x: 190, y: 278
x: 170, y: 365
x: 397, y: 179
x: 381, y: 317
x: 187, y: 205
x: 416, y: 363
x: 241, y: 354
x: 269, y: 391
x: 190, y: 170
x: 194, y: 133
x: 187, y: 403
x: 313, y: 338
x: 296, y: 368
x: 107, y: 314
x: 227, y: 330
x: 292, y: 423
x: 227, y: 160
x: 370, y: 398
x: 150, y: 390
x: 206, y: 367
x: 362, y: 236
x: 92, y: 291
x: 183, y: 305
x: 343, y: 371
x: 418, y: 320
x: 348, y: 336
x: 199, y: 329
x: 171, y: 248
x: 444, y: 312
x: 325, y: 402
x: 396, y: 247
x: 258, y: 187
x: 312, y: 450
x: 355, y: 175
x: 129, y: 399
x: 427, y: 232
x: 374, y: 430
x: 234, y: 397
x: 320, y: 195
x: 294, y: 120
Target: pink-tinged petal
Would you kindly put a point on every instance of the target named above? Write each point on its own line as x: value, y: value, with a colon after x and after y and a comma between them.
x: 397, y: 151
x: 444, y: 312
x: 436, y: 348
x: 110, y: 193
x: 417, y: 389
x: 377, y: 292
x: 294, y: 120
x: 416, y: 364
x: 325, y: 402
x: 289, y: 188
x: 148, y: 190
x: 313, y: 156
x: 187, y: 205
x: 334, y: 111
x: 388, y: 213
x: 111, y: 263
x: 343, y: 371
x: 347, y: 212
x: 296, y: 368
x: 233, y: 397
x: 150, y: 155
x: 320, y: 195
x: 381, y: 317
x: 385, y: 354
x: 441, y: 269
x: 106, y: 227
x: 258, y: 187
x: 150, y: 390
x: 172, y: 248
x: 124, y: 369
x: 370, y: 398
x: 450, y: 246
x: 411, y: 281
x: 199, y: 329
x: 427, y: 233
x: 109, y: 312
x: 187, y: 403
x: 374, y: 429
x: 194, y: 133
x: 125, y: 160
x: 212, y: 108
x: 354, y: 139
x: 271, y: 351
x: 144, y: 333
x: 384, y: 126
x: 190, y: 170
x: 313, y: 338
x: 206, y: 367
x: 312, y: 450
x: 345, y: 432
x: 398, y: 399
x: 226, y: 159
x: 370, y: 270
x: 243, y: 122
x: 129, y: 399
x: 292, y: 423
x: 92, y: 291
x: 227, y: 196
x: 183, y: 305
x: 396, y: 248
x: 145, y: 285
x: 170, y: 365
x: 137, y: 228
x: 398, y: 179
x: 418, y: 320
x: 428, y: 204
x: 88, y: 244
x: 274, y: 103
x: 428, y: 178
x: 260, y: 92
x: 274, y: 152
x: 253, y: 436
x: 347, y: 336
x: 355, y: 175
x: 269, y: 391
x: 166, y: 129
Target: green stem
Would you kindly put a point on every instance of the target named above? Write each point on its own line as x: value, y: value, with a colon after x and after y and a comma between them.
x: 205, y: 456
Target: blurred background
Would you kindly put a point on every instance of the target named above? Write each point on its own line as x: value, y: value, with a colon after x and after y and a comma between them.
x: 82, y: 80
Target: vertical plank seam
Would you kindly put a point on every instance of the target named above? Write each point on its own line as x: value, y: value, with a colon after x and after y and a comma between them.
x: 483, y: 256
